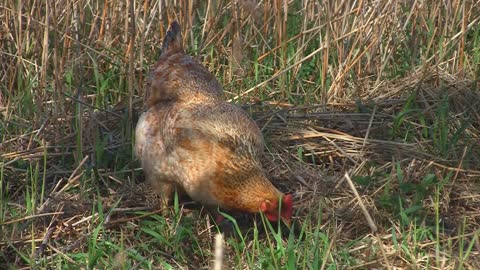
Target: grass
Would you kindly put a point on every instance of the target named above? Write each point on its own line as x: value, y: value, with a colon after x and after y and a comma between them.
x: 384, y: 91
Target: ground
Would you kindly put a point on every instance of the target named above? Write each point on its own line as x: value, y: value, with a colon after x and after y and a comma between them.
x: 368, y: 109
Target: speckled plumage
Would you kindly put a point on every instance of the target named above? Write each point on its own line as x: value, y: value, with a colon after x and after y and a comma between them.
x: 191, y: 138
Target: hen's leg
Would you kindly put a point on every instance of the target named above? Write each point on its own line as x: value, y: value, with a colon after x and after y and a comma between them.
x: 180, y: 191
x: 164, y: 191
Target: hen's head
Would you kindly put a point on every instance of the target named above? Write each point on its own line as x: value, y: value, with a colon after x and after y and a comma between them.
x: 271, y: 211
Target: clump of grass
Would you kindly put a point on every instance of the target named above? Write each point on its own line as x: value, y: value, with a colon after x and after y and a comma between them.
x: 386, y: 91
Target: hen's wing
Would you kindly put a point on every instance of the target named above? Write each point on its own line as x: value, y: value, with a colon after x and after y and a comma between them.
x: 225, y: 124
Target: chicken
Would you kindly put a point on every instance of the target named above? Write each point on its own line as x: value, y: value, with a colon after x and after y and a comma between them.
x: 189, y: 139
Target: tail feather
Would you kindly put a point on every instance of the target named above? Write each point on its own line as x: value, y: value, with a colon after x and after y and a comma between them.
x: 172, y: 42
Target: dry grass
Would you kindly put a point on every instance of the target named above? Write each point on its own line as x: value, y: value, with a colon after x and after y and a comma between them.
x: 384, y: 91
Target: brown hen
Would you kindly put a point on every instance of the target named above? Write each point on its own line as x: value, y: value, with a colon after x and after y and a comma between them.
x: 189, y: 138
